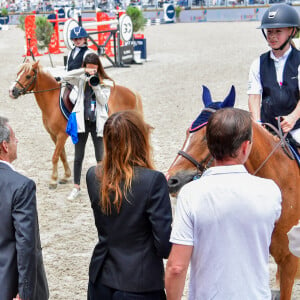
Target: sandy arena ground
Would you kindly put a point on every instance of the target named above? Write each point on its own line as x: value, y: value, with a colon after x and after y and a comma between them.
x: 181, y: 58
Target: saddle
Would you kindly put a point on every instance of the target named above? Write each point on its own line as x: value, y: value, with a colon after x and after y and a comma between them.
x: 293, y: 146
x: 65, y: 104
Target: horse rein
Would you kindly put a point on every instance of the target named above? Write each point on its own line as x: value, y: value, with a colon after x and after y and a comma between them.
x: 24, y: 89
x: 281, y: 143
x: 201, y: 167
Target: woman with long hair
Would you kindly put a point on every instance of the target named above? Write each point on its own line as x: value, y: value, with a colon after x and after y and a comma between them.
x: 133, y: 216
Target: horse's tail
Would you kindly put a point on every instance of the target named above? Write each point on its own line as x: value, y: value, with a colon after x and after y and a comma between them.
x: 139, y: 107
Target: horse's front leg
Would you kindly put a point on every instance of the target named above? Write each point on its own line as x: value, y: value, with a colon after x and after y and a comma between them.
x: 54, y: 175
x: 67, y: 169
x: 59, y: 142
x: 287, y: 271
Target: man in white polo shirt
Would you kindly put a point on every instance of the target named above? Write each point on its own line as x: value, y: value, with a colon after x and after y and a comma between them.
x: 224, y: 221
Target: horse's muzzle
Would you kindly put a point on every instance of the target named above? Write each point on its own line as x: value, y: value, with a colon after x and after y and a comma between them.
x: 177, y: 181
x: 14, y: 93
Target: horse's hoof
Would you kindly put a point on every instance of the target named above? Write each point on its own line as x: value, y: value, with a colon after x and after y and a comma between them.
x: 275, y: 295
x: 63, y: 181
x: 52, y: 186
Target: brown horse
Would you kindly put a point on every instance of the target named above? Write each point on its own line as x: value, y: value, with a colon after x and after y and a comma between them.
x: 194, y: 158
x: 31, y: 78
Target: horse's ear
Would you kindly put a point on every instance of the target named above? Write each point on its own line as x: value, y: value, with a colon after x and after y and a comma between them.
x: 35, y: 64
x: 230, y: 99
x: 206, y: 96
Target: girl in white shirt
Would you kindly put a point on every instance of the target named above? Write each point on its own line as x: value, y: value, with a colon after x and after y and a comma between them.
x: 273, y: 85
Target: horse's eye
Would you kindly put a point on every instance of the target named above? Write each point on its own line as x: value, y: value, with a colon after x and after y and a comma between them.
x: 28, y: 76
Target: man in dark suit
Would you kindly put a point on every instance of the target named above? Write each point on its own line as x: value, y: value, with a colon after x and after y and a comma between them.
x: 22, y: 274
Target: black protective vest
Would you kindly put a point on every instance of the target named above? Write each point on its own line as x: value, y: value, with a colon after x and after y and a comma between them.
x: 279, y: 100
x: 77, y: 62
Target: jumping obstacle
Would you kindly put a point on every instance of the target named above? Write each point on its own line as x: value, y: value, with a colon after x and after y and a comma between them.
x: 109, y: 31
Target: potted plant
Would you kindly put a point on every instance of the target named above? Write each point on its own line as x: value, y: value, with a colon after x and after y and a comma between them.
x: 4, y: 16
x: 178, y: 10
x: 22, y: 22
x: 138, y: 24
x: 137, y: 18
x: 43, y: 32
x: 4, y: 12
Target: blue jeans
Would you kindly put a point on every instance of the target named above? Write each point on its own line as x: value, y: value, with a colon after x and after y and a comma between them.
x: 99, y: 291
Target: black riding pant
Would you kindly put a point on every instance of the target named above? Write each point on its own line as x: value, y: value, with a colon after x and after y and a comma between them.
x: 90, y: 127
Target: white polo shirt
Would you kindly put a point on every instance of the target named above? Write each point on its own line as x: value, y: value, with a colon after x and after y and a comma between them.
x: 228, y: 217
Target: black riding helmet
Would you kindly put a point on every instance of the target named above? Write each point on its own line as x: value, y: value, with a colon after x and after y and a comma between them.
x: 280, y: 16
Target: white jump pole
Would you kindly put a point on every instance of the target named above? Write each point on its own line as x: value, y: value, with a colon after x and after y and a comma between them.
x: 94, y: 24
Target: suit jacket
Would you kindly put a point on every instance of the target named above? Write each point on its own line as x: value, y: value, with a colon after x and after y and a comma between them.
x: 132, y: 244
x: 21, y: 263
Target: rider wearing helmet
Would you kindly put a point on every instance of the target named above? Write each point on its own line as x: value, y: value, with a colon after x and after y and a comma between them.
x: 78, y: 35
x: 273, y: 85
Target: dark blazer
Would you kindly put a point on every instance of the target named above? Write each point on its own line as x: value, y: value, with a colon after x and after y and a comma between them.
x: 21, y: 263
x: 132, y: 244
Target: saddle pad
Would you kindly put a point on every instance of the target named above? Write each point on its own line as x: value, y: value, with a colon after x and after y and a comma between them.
x: 295, y: 152
x: 66, y: 106
x: 66, y: 109
x: 62, y: 106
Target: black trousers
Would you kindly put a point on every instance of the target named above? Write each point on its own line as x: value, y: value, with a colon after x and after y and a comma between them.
x: 99, y: 291
x: 90, y: 127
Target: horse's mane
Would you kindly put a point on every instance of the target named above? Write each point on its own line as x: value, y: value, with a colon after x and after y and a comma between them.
x: 27, y: 67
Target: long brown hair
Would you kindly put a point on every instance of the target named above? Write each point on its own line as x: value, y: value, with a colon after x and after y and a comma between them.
x: 93, y: 58
x: 126, y: 145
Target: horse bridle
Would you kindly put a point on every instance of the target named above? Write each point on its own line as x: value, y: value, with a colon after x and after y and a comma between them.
x: 24, y: 89
x: 201, y: 166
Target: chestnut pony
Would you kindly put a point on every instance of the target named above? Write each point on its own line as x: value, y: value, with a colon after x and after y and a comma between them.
x: 194, y: 158
x: 32, y: 79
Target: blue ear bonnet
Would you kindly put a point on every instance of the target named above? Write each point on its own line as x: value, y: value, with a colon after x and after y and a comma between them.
x: 203, y: 117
